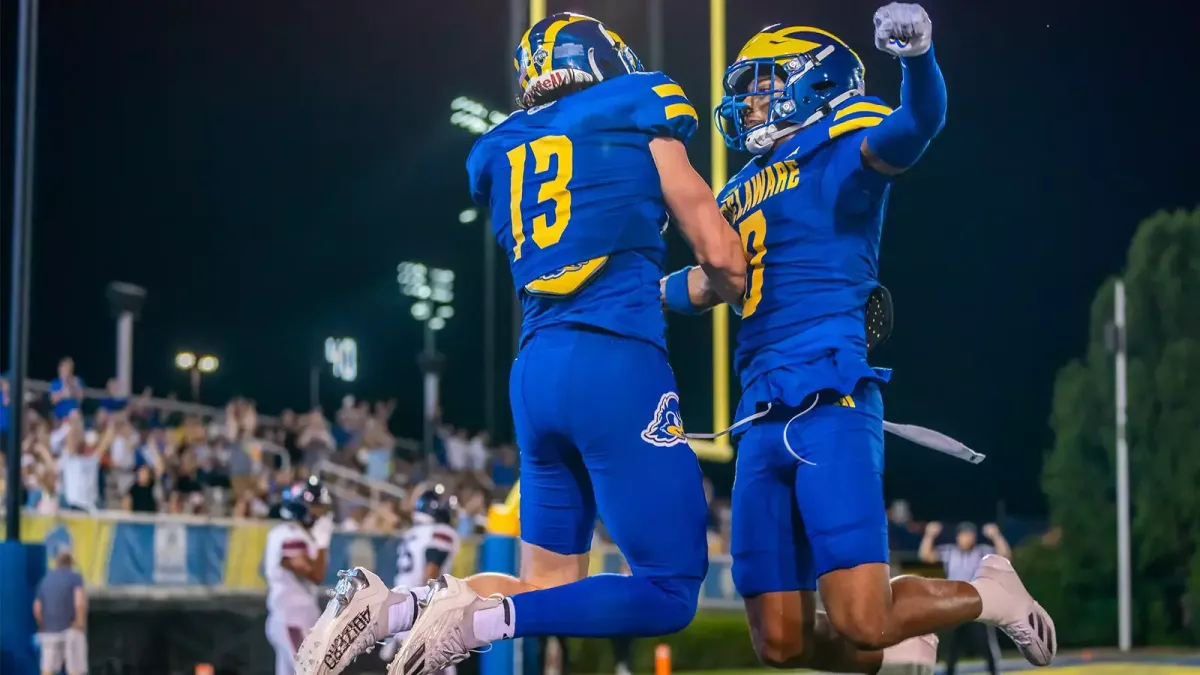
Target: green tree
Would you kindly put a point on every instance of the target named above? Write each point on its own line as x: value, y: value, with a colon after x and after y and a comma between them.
x: 1162, y: 279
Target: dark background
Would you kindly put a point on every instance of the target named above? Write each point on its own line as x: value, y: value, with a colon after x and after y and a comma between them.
x: 261, y: 168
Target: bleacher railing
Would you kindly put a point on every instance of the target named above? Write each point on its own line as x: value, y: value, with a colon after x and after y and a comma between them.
x: 171, y: 557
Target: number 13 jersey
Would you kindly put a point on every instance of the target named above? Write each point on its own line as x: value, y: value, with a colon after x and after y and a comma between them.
x: 577, y: 205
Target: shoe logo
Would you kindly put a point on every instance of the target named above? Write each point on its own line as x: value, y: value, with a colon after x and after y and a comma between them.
x: 416, y: 662
x: 341, y: 644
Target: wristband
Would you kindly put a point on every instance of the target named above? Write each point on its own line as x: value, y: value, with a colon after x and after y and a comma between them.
x: 676, y: 293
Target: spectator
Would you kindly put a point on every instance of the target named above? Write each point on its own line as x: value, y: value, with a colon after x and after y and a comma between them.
x: 479, y: 452
x: 187, y: 491
x: 383, y: 519
x: 82, y: 453
x: 458, y: 448
x: 315, y: 440
x: 252, y: 501
x: 377, y: 449
x: 114, y: 400
x: 122, y: 452
x: 961, y: 560
x: 354, y: 522
x: 142, y: 496
x: 60, y: 609
x: 66, y: 390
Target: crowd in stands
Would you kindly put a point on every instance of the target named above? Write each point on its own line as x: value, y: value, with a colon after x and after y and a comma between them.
x: 136, y: 454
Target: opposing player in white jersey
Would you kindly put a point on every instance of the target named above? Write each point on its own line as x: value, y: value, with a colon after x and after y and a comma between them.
x: 425, y: 551
x: 294, y: 563
x: 378, y: 613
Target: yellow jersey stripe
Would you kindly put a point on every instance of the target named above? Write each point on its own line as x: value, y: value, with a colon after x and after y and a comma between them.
x: 681, y: 109
x: 855, y: 124
x: 862, y: 107
x: 665, y: 90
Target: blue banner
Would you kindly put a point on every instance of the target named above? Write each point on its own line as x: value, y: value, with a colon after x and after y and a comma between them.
x: 117, y: 553
x: 160, y: 556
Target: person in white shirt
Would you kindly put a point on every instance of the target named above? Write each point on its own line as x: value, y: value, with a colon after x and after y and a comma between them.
x: 364, y: 611
x: 295, y: 562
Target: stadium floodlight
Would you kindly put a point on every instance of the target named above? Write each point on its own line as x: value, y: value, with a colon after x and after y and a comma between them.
x: 473, y: 116
x: 342, y: 355
x: 432, y: 290
x: 207, y: 364
x: 468, y: 216
x: 195, y: 367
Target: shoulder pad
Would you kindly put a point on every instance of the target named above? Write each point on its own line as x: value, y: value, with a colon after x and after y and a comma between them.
x: 658, y: 105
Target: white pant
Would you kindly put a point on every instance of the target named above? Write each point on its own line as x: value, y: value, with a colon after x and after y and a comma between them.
x: 67, y: 648
x: 286, y: 630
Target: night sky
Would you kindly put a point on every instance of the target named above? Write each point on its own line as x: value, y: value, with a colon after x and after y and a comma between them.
x: 261, y: 168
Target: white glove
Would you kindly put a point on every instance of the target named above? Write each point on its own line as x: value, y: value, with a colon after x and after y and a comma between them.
x: 322, y: 531
x: 903, y: 29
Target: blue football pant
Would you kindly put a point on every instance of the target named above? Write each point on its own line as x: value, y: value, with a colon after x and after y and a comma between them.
x: 597, y: 423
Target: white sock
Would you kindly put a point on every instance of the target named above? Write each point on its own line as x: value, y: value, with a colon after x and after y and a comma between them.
x: 495, y: 623
x: 403, y: 613
x: 991, y: 599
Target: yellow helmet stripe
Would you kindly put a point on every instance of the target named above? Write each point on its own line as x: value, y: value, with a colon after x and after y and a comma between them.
x: 552, y: 35
x: 527, y: 48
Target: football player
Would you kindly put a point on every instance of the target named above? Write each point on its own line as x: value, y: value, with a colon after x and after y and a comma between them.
x: 579, y: 183
x: 294, y: 563
x: 426, y: 550
x: 807, y: 502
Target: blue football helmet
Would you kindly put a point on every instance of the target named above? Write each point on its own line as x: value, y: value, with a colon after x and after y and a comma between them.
x: 569, y: 49
x: 435, y: 505
x: 806, y: 73
x: 302, y: 500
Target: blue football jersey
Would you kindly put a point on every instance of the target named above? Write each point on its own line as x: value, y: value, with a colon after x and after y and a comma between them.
x: 577, y: 205
x: 810, y: 216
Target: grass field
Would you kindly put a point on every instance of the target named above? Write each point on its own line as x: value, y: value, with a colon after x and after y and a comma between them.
x: 1181, y: 664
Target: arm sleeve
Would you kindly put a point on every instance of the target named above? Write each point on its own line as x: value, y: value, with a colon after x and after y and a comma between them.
x: 902, y: 138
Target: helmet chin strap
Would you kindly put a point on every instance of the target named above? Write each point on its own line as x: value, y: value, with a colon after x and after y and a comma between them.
x: 761, y: 140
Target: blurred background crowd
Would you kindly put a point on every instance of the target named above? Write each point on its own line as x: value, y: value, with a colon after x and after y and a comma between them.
x: 145, y: 455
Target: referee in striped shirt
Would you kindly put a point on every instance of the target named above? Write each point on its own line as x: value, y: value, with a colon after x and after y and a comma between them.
x: 961, y: 560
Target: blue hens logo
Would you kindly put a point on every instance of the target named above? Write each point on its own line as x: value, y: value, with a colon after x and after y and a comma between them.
x: 575, y: 267
x: 666, y: 429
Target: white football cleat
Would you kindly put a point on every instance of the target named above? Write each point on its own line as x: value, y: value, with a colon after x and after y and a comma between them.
x: 914, y: 656
x: 355, y: 619
x: 1021, y: 618
x: 444, y: 633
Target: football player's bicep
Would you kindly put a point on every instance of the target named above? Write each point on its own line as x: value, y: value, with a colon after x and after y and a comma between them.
x: 689, y: 198
x: 872, y: 161
x: 299, y: 565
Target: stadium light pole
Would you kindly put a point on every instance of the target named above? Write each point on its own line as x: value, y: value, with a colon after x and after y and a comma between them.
x: 432, y: 289
x: 22, y: 248
x: 720, y: 174
x: 1124, y: 572
x: 126, y: 302
x: 196, y: 367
